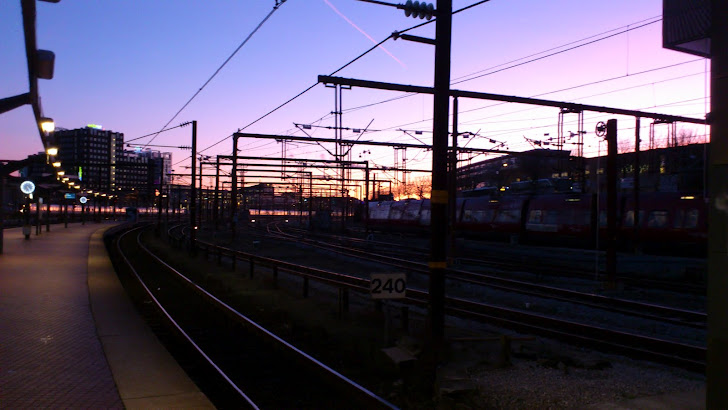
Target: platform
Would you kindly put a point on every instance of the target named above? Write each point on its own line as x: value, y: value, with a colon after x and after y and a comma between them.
x: 70, y: 337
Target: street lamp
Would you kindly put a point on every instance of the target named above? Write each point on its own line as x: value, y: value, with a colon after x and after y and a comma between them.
x: 47, y: 125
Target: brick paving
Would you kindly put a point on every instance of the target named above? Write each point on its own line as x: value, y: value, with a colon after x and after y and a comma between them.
x: 50, y: 353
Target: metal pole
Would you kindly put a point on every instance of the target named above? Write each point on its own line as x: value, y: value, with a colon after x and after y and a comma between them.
x: 201, y: 193
x: 439, y: 197
x: 366, y: 198
x: 216, y: 205
x: 611, y: 203
x: 636, y: 188
x: 2, y: 209
x: 48, y: 214
x: 193, y: 190
x: 310, y: 198
x: 717, y: 375
x: 234, y: 194
x: 26, y: 225
x: 37, y: 216
x: 159, y: 198
x: 453, y: 177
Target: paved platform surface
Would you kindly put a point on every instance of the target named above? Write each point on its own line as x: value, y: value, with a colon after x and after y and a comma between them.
x: 69, y: 336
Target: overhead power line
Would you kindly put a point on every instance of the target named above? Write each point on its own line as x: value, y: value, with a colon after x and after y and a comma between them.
x: 277, y: 5
x: 339, y: 69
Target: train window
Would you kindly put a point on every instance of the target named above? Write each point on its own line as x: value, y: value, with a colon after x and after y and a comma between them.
x: 629, y: 219
x: 657, y: 219
x: 484, y: 216
x: 468, y: 216
x: 508, y: 216
x: 551, y: 217
x: 577, y: 217
x: 534, y: 217
x: 691, y: 219
x: 677, y: 223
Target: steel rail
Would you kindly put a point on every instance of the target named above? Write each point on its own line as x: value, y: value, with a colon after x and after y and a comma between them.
x: 174, y: 323
x: 367, y: 397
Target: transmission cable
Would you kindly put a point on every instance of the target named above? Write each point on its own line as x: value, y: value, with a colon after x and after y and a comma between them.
x: 341, y: 68
x: 277, y: 5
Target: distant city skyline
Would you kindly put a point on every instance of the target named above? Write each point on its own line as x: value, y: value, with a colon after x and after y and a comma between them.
x: 130, y: 66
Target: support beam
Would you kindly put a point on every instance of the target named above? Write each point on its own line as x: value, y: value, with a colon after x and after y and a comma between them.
x: 373, y: 143
x: 506, y: 98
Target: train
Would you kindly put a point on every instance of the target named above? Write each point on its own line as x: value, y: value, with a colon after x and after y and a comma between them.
x: 668, y: 223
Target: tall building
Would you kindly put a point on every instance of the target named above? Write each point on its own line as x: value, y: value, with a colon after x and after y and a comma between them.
x: 98, y: 159
x: 91, y: 153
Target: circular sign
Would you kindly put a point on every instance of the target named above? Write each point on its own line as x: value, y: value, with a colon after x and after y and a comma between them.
x: 83, y: 200
x: 27, y: 187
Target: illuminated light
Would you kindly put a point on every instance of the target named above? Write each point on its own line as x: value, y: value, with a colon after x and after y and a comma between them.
x: 252, y: 220
x: 83, y: 200
x: 65, y: 179
x: 95, y: 126
x: 573, y: 200
x: 687, y: 197
x: 502, y: 188
x: 286, y: 220
x: 493, y: 201
x: 195, y: 228
x: 61, y: 173
x: 52, y: 151
x: 47, y: 125
x: 27, y: 187
x: 57, y: 164
x: 505, y: 164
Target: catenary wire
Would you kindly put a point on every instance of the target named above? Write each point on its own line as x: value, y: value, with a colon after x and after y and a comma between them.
x: 277, y: 5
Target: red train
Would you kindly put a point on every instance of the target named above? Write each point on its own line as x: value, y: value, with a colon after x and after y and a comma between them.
x: 668, y: 222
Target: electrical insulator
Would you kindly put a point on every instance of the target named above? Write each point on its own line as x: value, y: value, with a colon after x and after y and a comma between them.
x: 418, y: 9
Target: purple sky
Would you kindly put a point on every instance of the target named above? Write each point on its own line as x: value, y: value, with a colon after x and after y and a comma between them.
x: 131, y: 65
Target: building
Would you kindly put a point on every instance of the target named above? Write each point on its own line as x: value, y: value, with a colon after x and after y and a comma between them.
x: 97, y: 158
x: 91, y: 154
x: 673, y: 169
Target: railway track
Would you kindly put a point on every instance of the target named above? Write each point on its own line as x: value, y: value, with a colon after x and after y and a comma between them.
x: 680, y: 317
x: 505, y: 262
x: 671, y: 352
x: 242, y: 364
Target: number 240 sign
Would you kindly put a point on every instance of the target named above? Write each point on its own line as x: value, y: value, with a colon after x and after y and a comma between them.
x: 388, y: 285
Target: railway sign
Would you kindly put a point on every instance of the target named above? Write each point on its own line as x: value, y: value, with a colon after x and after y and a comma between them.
x: 83, y: 200
x: 70, y: 196
x: 388, y: 285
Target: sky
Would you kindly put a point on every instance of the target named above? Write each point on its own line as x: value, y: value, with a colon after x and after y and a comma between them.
x: 131, y: 65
